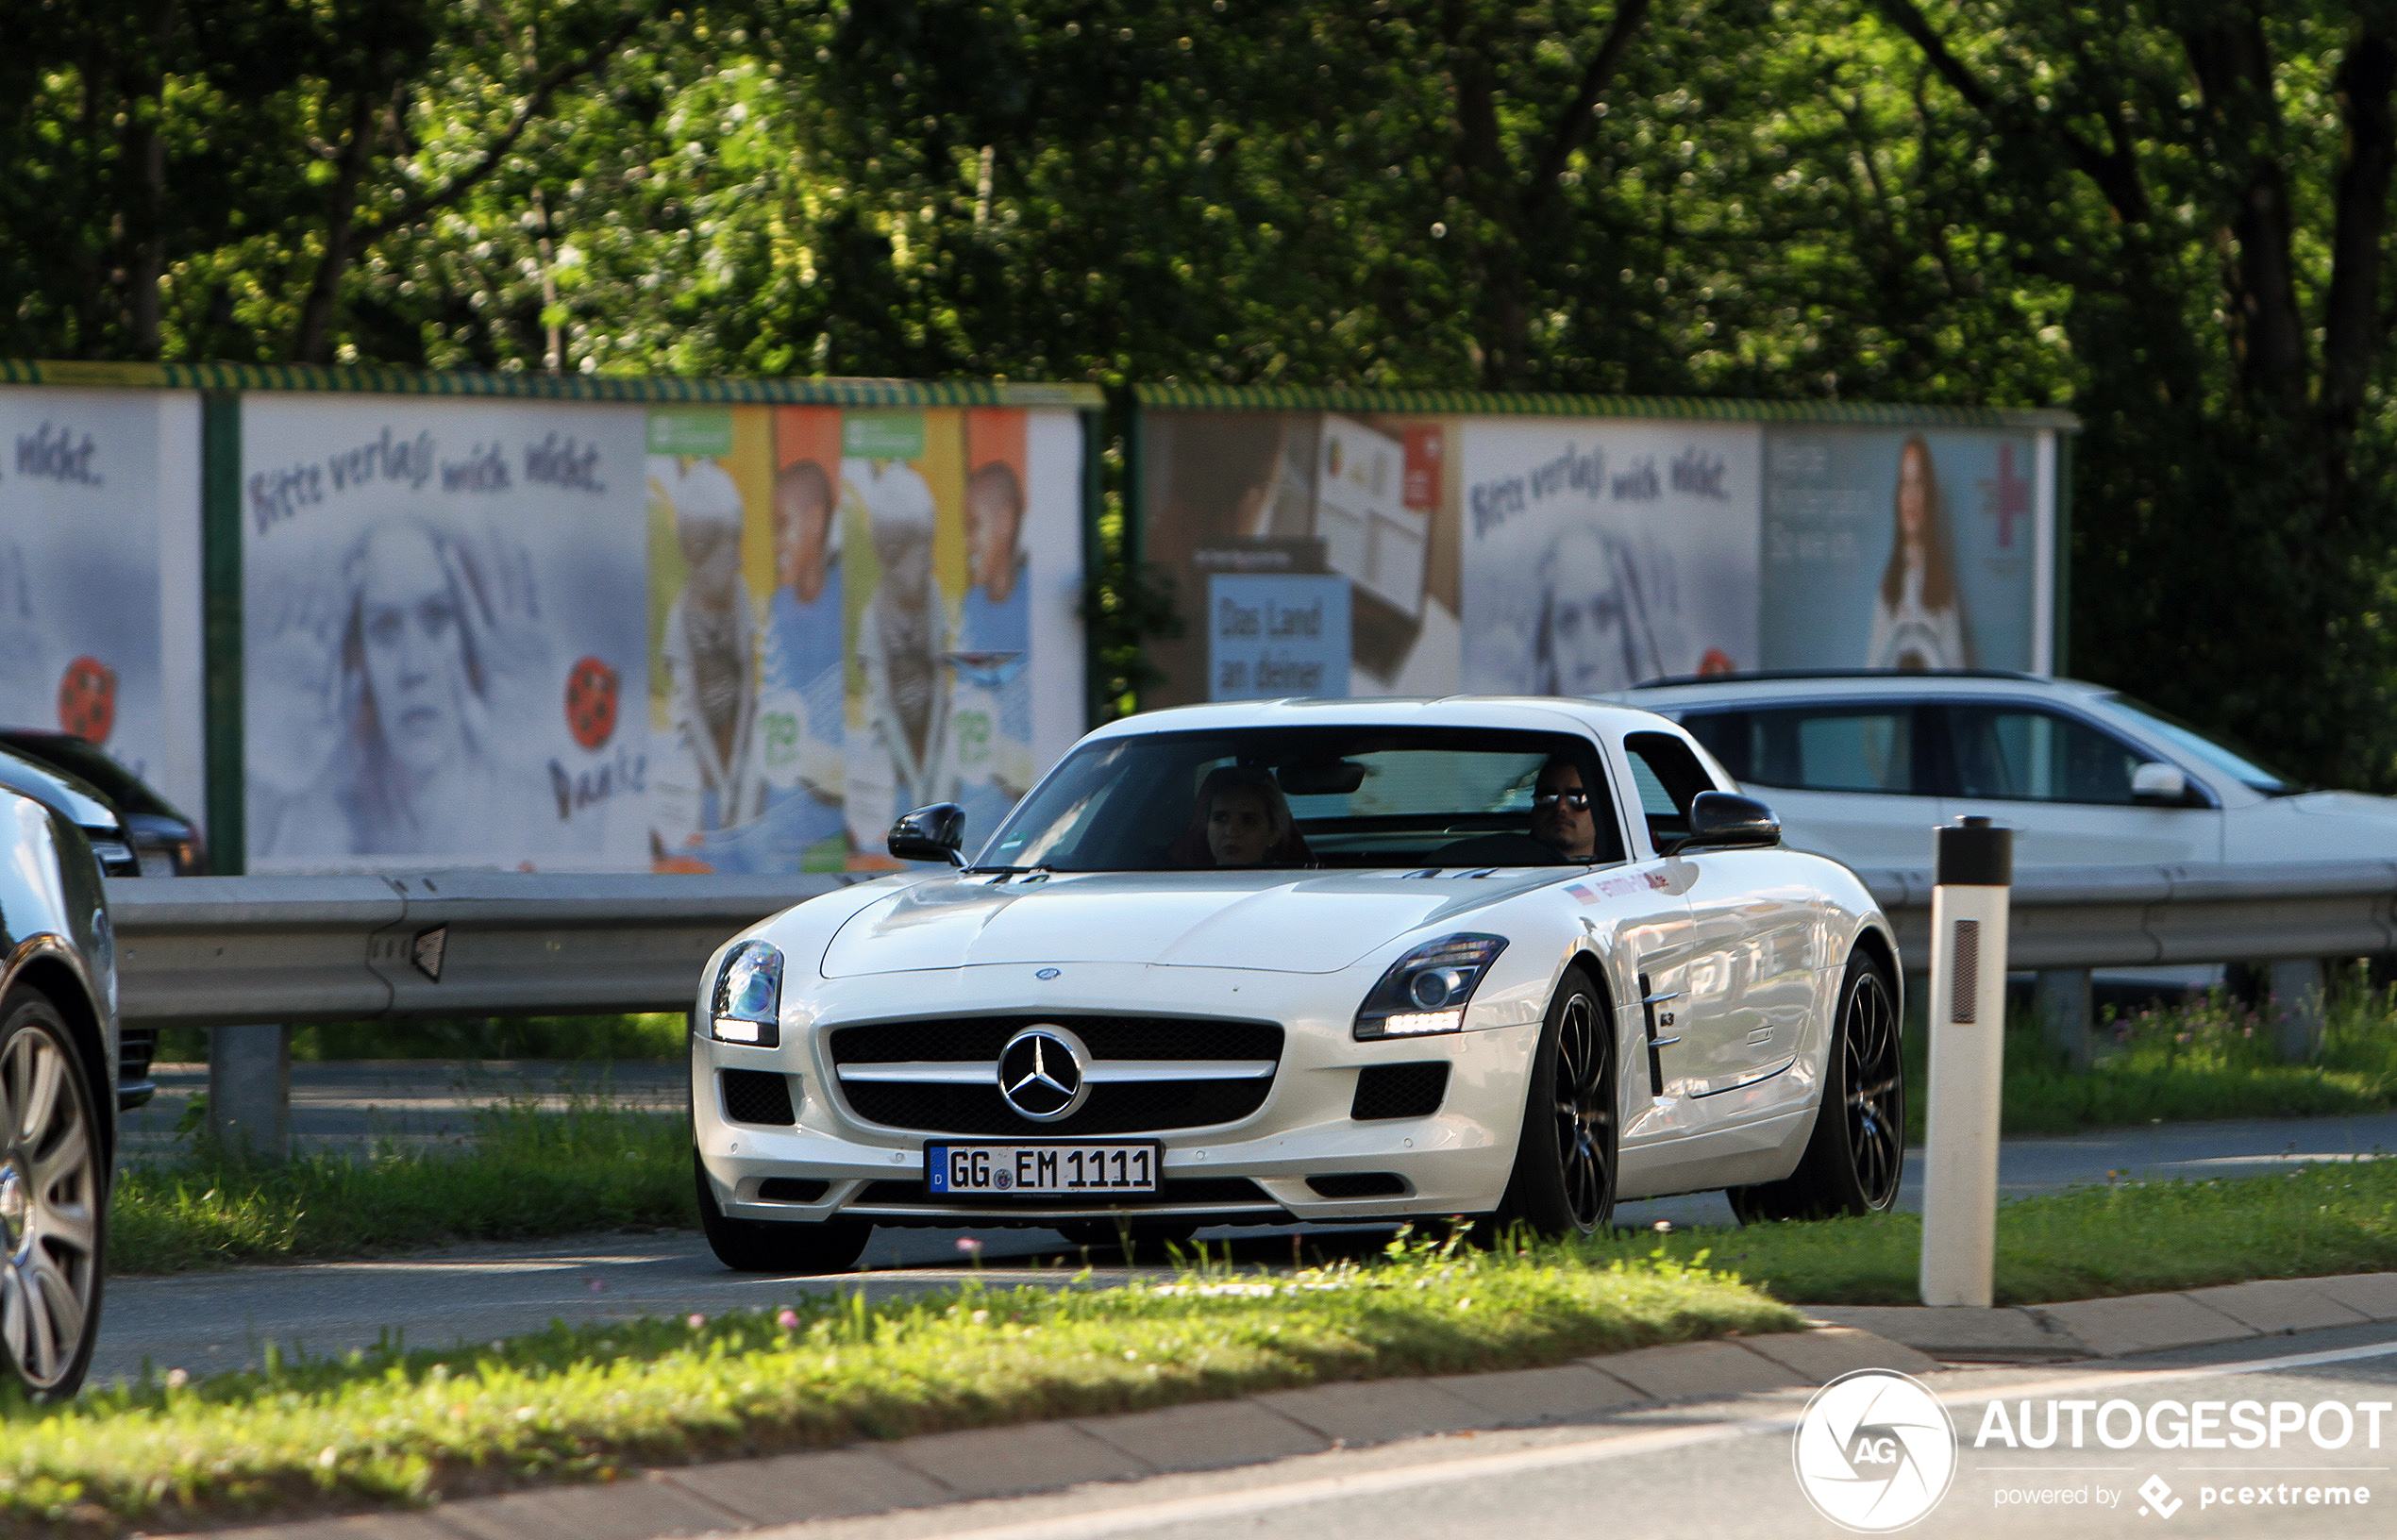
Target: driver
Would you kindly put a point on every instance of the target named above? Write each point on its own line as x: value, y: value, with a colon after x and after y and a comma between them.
x: 1240, y: 818
x: 1561, y: 815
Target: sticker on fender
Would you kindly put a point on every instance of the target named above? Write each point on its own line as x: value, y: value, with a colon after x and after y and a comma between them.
x: 1041, y: 1171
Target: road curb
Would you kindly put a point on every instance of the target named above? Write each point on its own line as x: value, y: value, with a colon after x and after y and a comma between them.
x: 2131, y: 1323
x: 936, y: 1468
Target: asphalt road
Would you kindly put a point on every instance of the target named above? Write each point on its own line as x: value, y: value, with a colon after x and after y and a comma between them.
x: 1727, y: 1471
x: 206, y: 1321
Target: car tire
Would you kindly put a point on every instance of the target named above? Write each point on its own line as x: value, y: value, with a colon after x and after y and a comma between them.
x: 1566, y: 1159
x: 53, y: 1200
x: 778, y: 1246
x: 1857, y: 1156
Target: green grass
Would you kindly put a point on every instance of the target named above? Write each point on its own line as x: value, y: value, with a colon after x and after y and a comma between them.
x: 528, y: 1174
x: 2082, y: 1244
x: 2211, y: 1059
x: 388, y: 1426
x: 658, y: 1034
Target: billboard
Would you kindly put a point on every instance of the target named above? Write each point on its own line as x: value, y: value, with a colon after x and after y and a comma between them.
x: 100, y: 576
x: 853, y: 613
x: 442, y: 608
x: 1524, y: 548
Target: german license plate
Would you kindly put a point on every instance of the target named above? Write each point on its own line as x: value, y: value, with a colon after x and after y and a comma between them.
x: 1042, y: 1170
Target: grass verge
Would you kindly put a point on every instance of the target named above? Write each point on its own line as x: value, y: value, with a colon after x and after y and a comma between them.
x: 2082, y: 1244
x: 389, y: 1427
x: 528, y: 1173
x: 2210, y: 1059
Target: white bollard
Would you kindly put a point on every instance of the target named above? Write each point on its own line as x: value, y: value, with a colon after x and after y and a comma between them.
x: 1969, y: 909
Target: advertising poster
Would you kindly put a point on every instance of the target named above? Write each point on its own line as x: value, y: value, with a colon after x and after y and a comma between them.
x: 99, y: 577
x: 845, y: 609
x: 1897, y: 549
x: 443, y: 634
x: 1604, y: 554
x: 1363, y: 505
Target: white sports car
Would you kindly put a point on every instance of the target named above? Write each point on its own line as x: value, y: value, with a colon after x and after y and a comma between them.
x: 1327, y: 961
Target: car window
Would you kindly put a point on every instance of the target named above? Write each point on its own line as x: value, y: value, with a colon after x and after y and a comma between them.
x: 1670, y: 779
x: 2024, y: 754
x: 2220, y: 757
x: 1818, y: 748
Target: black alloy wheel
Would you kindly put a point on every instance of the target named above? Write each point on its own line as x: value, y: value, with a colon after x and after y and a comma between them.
x: 1874, y: 1084
x: 1564, y: 1164
x: 1857, y: 1154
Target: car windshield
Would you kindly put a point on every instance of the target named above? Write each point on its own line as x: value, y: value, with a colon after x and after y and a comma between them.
x: 2181, y: 735
x: 1308, y: 797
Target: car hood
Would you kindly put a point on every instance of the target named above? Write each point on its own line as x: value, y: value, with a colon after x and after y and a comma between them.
x: 2343, y: 805
x: 1278, y: 922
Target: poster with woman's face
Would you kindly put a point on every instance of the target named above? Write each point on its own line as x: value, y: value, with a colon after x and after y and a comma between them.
x: 443, y: 606
x: 99, y: 576
x: 1601, y: 555
x: 1904, y: 549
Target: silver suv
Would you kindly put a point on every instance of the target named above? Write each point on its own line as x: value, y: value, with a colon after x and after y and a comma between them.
x: 1861, y: 765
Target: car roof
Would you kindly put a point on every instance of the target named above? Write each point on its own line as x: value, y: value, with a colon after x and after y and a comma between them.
x: 1530, y: 713
x: 1857, y: 684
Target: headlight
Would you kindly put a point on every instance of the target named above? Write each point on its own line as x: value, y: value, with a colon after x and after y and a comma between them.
x: 748, y: 997
x: 1425, y: 990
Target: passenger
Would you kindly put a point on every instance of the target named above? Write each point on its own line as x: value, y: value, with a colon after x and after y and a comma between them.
x: 1561, y: 815
x: 1240, y: 818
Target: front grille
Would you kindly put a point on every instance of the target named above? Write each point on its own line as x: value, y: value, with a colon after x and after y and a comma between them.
x: 1399, y: 1091
x: 1218, y: 1192
x: 790, y: 1189
x: 757, y: 1095
x: 1124, y: 1107
x: 1139, y: 1107
x: 1359, y: 1184
x: 979, y: 1038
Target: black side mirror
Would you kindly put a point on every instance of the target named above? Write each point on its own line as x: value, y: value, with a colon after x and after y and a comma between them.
x: 1725, y: 820
x: 932, y: 833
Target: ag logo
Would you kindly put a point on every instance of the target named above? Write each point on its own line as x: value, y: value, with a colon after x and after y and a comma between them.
x: 590, y: 702
x: 1875, y: 1451
x: 87, y: 699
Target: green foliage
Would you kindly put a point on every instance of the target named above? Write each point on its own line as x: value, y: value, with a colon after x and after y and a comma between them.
x: 2170, y: 219
x: 656, y: 1034
x: 387, y: 1427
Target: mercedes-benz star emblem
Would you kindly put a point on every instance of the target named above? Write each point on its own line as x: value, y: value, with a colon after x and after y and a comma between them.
x: 1044, y: 1072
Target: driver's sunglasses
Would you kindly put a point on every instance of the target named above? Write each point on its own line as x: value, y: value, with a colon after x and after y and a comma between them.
x: 1577, y: 799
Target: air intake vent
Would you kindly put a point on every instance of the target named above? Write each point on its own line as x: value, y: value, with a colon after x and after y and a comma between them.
x: 1385, y: 1091
x: 789, y: 1189
x: 1359, y: 1184
x: 757, y: 1095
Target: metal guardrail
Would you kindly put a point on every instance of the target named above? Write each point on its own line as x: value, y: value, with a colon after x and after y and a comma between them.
x: 225, y: 951
x: 221, y: 951
x: 2132, y: 916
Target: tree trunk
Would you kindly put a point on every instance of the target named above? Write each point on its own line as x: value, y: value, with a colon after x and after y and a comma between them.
x: 2233, y: 69
x: 314, y: 341
x: 2351, y: 327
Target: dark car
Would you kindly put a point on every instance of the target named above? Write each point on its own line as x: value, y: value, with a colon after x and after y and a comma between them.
x: 166, y: 843
x: 59, y: 1056
x: 94, y: 808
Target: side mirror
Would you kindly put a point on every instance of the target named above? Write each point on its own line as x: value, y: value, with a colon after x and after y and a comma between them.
x: 1725, y: 820
x: 2160, y: 783
x: 932, y: 833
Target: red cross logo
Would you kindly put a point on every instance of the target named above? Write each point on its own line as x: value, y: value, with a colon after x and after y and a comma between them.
x: 2007, y: 495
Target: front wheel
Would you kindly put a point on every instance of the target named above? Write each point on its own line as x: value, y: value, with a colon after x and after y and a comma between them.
x: 1565, y: 1161
x: 53, y: 1202
x: 1857, y: 1154
x: 768, y: 1246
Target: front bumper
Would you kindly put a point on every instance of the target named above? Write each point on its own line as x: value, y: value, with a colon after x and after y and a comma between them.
x: 1256, y: 1170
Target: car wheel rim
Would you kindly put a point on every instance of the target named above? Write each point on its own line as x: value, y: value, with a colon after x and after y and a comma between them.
x: 49, y: 1229
x: 1584, y: 1121
x: 1875, y: 1078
